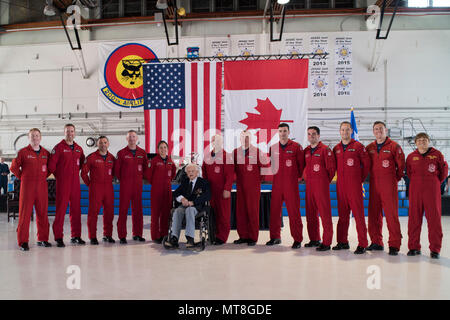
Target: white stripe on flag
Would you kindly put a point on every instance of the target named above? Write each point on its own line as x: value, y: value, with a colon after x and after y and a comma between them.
x: 164, y: 126
x: 188, y: 109
x: 152, y: 114
x: 176, y: 131
x: 199, y: 124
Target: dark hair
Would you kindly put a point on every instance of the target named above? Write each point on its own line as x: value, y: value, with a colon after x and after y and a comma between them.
x: 421, y: 135
x: 103, y: 137
x: 315, y: 128
x: 160, y: 143
x: 346, y: 122
x: 129, y: 131
x: 378, y: 122
x: 69, y: 125
x: 281, y: 125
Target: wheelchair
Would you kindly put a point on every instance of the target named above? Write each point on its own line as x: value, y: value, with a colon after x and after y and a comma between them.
x: 204, y: 223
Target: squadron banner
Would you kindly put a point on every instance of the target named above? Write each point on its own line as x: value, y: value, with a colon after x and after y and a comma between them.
x: 120, y: 73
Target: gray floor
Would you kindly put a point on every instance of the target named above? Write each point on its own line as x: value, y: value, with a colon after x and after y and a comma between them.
x: 147, y: 271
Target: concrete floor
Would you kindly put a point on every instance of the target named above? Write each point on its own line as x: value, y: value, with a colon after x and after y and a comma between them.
x: 147, y: 271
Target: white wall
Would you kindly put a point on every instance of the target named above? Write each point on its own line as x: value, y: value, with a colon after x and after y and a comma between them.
x: 413, y: 72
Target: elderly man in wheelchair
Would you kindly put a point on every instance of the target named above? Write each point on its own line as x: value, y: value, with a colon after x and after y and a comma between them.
x: 192, y: 196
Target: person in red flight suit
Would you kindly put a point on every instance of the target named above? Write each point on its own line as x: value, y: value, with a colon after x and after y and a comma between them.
x: 30, y: 167
x: 387, y: 167
x: 130, y: 168
x: 320, y: 167
x: 160, y: 175
x: 353, y: 166
x: 218, y: 170
x: 65, y: 163
x: 427, y: 169
x: 97, y: 173
x: 248, y: 163
x: 287, y: 162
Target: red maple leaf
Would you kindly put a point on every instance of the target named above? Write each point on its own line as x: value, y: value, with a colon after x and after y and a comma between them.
x: 267, y: 120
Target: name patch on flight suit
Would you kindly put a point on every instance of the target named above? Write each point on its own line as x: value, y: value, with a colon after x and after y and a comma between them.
x: 289, y: 151
x: 351, y: 149
x: 65, y: 150
x: 388, y: 151
x: 44, y: 157
x: 372, y: 151
x: 316, y: 154
x: 432, y: 157
x: 139, y: 156
x: 415, y: 158
x: 77, y: 150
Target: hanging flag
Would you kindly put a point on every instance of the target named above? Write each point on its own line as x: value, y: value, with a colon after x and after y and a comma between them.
x: 259, y: 95
x: 182, y: 105
x: 355, y: 129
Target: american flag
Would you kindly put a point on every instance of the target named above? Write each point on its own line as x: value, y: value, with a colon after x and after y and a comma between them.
x: 182, y: 99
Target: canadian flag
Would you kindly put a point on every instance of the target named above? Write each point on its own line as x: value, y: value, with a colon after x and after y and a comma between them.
x: 259, y: 95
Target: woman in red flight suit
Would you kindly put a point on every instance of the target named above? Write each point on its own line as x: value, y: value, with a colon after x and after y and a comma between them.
x: 426, y: 169
x: 160, y: 174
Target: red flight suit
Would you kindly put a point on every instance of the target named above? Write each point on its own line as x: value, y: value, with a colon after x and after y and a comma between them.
x: 320, y: 167
x: 97, y: 173
x: 247, y: 165
x: 386, y: 169
x: 353, y: 166
x: 218, y: 169
x: 287, y: 166
x: 426, y: 173
x: 130, y: 169
x: 31, y: 169
x: 65, y: 164
x: 160, y: 175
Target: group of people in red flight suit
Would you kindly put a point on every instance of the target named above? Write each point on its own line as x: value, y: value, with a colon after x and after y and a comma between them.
x: 287, y: 162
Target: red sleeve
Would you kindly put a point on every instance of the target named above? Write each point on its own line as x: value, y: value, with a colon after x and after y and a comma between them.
x: 16, y: 166
x: 408, y: 167
x: 443, y: 168
x: 300, y: 161
x: 229, y: 172
x: 330, y: 163
x: 53, y: 161
x: 85, y: 169
x: 117, y: 165
x: 149, y: 171
x: 82, y: 157
x: 174, y: 170
x: 400, y: 162
x: 365, y: 160
x: 204, y: 172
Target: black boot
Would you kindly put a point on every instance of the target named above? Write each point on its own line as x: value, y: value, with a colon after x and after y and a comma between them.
x: 123, y: 241
x: 341, y: 246
x: 322, y: 247
x: 109, y: 239
x: 190, y: 242
x: 393, y: 251
x: 24, y: 246
x: 60, y: 243
x: 159, y: 240
x: 296, y: 245
x: 273, y: 242
x: 94, y: 241
x: 312, y: 244
x: 414, y: 252
x: 78, y: 240
x: 359, y: 250
x: 218, y: 242
x: 44, y: 244
x: 240, y: 240
x: 375, y: 247
x: 138, y: 238
x: 251, y: 243
x: 434, y: 255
